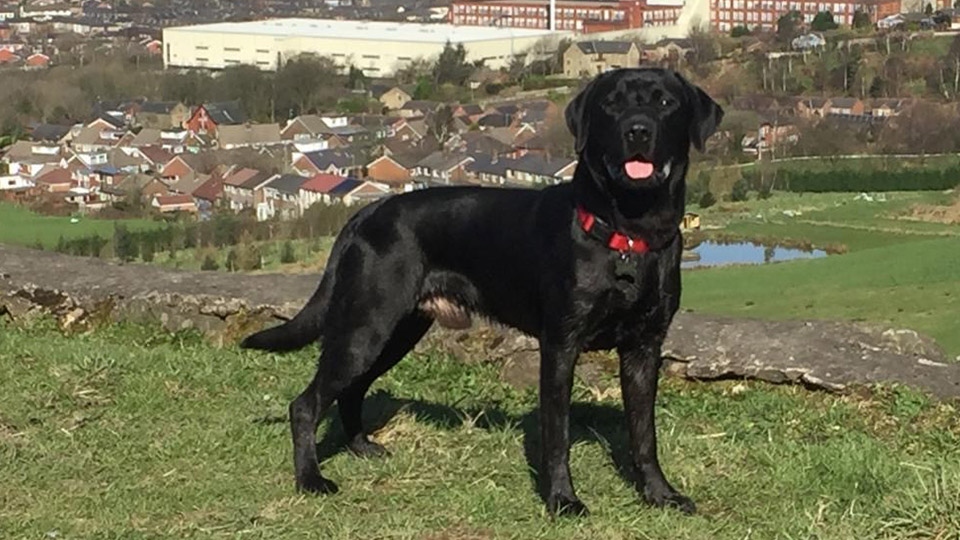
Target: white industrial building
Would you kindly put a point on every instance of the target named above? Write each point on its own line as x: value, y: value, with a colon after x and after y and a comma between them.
x: 378, y: 48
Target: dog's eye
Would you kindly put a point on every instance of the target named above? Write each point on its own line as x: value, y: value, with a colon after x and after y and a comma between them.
x: 665, y: 102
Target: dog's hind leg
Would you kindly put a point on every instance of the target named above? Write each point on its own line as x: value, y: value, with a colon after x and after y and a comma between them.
x: 350, y: 403
x: 344, y: 360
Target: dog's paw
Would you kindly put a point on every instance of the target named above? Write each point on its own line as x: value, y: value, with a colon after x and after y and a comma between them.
x: 563, y: 505
x: 365, y: 448
x: 662, y: 498
x: 317, y: 485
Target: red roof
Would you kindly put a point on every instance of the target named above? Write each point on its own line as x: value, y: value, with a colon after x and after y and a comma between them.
x: 210, y: 190
x: 156, y: 154
x: 174, y: 200
x: 56, y: 176
x: 322, y: 183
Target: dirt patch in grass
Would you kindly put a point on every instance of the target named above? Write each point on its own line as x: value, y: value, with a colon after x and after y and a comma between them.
x: 946, y: 214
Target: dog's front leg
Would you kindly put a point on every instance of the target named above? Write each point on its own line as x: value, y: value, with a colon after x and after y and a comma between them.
x: 639, y: 372
x: 557, y: 360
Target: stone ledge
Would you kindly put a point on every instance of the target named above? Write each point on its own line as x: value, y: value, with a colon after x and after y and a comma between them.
x: 831, y: 356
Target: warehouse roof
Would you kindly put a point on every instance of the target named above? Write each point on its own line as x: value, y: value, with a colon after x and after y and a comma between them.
x: 365, y: 30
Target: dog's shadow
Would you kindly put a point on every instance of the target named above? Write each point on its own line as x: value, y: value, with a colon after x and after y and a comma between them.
x: 588, y: 422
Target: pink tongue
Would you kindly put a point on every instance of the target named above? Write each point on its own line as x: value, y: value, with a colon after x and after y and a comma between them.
x: 638, y: 170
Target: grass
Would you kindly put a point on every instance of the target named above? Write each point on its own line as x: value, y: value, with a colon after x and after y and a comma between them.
x: 829, y: 219
x: 20, y: 226
x: 129, y: 432
x: 912, y: 284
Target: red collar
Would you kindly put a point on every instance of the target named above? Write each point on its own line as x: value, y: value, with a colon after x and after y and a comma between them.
x: 614, y: 239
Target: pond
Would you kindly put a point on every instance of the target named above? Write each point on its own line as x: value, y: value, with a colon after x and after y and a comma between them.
x: 716, y: 254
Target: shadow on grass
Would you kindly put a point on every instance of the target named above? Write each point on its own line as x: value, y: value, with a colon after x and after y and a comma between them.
x: 588, y: 422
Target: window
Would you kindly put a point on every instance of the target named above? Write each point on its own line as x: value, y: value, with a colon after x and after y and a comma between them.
x: 231, y: 49
x: 263, y: 51
x: 233, y: 62
x: 198, y: 59
x: 372, y: 56
x: 202, y: 47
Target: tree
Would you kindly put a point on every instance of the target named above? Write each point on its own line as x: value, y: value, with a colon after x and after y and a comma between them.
x: 124, y: 244
x: 356, y: 80
x: 928, y: 10
x: 440, y: 124
x: 823, y: 21
x: 249, y: 85
x: 248, y: 254
x: 299, y: 83
x: 451, y: 66
x: 147, y: 250
x: 862, y: 20
x: 788, y: 26
x: 424, y: 88
x: 231, y: 263
x: 739, y: 30
x: 739, y: 191
x: 287, y: 253
x: 704, y: 46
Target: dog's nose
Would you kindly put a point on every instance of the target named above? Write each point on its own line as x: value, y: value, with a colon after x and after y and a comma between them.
x: 639, y: 132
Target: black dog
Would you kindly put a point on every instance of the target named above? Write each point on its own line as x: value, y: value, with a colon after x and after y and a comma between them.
x: 594, y: 264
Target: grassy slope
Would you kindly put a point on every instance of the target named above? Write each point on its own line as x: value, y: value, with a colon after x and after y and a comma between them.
x: 134, y: 434
x: 912, y: 284
x: 23, y: 227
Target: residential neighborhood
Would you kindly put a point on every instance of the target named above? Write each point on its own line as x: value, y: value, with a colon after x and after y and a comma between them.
x: 209, y: 158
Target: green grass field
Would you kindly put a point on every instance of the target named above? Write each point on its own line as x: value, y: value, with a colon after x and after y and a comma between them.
x: 128, y: 432
x: 898, y: 272
x: 20, y: 226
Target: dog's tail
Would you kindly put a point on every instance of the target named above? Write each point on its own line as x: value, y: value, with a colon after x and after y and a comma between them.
x: 303, y: 329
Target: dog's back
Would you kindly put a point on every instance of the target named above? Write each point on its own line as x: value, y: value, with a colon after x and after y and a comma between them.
x: 450, y: 252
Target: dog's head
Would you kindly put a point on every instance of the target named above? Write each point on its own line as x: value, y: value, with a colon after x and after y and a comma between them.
x: 632, y: 126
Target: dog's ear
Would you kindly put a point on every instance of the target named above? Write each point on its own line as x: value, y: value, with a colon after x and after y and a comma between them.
x: 578, y: 121
x: 706, y: 115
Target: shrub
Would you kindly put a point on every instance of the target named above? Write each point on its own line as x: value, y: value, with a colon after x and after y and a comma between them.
x: 873, y: 180
x: 287, y: 254
x: 231, y: 262
x: 708, y: 199
x: 739, y: 192
x: 209, y: 263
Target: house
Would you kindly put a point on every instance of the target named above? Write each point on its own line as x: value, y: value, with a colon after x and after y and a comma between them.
x: 208, y: 195
x: 248, y: 135
x: 180, y: 166
x: 537, y: 169
x: 49, y: 133
x: 341, y: 162
x: 885, y: 108
x: 808, y: 42
x: 162, y: 114
x: 56, y: 181
x: 488, y: 169
x: 173, y: 203
x: 390, y: 170
x: 36, y: 61
x: 155, y: 156
x: 669, y: 51
x: 146, y: 137
x: 306, y: 127
x: 418, y: 108
x: 316, y: 189
x: 8, y: 57
x: 813, y: 107
x: 351, y: 192
x: 146, y: 186
x: 281, y: 197
x: 96, y: 136
x: 394, y: 98
x: 442, y: 168
x: 589, y: 58
x: 844, y: 106
x: 206, y: 118
x: 15, y: 182
x: 243, y: 189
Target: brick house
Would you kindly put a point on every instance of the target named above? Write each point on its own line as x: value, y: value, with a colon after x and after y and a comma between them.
x: 207, y: 117
x: 845, y: 106
x: 317, y: 189
x: 173, y: 203
x: 341, y: 162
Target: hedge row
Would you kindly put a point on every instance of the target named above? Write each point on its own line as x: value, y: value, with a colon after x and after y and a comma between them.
x: 852, y: 180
